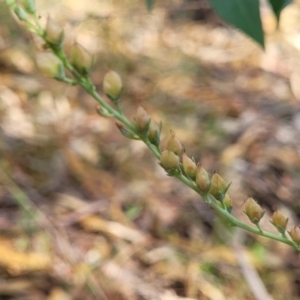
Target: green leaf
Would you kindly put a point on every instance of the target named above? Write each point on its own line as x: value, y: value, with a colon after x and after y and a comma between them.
x: 243, y: 14
x: 278, y: 6
x: 150, y: 4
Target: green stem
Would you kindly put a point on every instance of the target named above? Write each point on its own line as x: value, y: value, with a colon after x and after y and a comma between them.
x: 231, y: 219
x: 89, y: 87
x: 86, y: 83
x: 119, y: 116
x: 235, y: 222
x: 67, y: 80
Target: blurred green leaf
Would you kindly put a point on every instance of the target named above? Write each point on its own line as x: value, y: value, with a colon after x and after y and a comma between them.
x: 150, y: 4
x: 278, y: 6
x: 243, y: 14
x: 133, y: 212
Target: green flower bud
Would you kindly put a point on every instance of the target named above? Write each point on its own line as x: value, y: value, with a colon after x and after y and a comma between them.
x: 81, y: 59
x: 253, y: 211
x: 218, y: 186
x: 104, y: 112
x: 54, y: 33
x: 29, y: 5
x: 50, y: 65
x: 295, y: 234
x: 142, y: 119
x: 279, y: 221
x: 173, y: 144
x: 227, y: 202
x: 154, y: 133
x: 202, y: 179
x: 189, y: 166
x: 112, y: 85
x: 169, y: 160
x: 21, y: 13
x: 126, y: 132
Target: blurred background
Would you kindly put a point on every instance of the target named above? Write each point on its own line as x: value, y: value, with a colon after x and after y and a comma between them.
x: 87, y: 214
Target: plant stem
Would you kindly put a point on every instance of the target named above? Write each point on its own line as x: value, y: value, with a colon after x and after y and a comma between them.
x: 231, y: 219
x: 89, y: 87
x: 86, y: 83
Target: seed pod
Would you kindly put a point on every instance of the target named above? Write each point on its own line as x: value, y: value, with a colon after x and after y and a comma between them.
x: 253, y: 211
x: 279, y: 221
x: 81, y: 59
x: 169, y: 160
x: 189, y: 166
x: 112, y: 85
x: 173, y: 144
x: 50, y: 65
x: 295, y: 234
x: 142, y: 119
x: 218, y: 187
x: 54, y: 33
x: 202, y: 179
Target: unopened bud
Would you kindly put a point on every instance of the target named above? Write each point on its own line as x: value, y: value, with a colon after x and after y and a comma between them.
x: 202, y: 179
x: 189, y: 166
x: 295, y: 234
x: 21, y: 13
x: 173, y: 144
x: 169, y: 160
x: 54, y: 33
x: 126, y: 132
x: 81, y: 59
x: 154, y: 133
x: 218, y: 187
x: 104, y: 112
x: 29, y: 5
x: 253, y: 211
x: 227, y: 202
x: 112, y: 85
x: 50, y: 65
x: 142, y: 119
x: 279, y: 221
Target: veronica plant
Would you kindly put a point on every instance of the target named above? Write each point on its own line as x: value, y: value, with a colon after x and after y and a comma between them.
x: 172, y: 157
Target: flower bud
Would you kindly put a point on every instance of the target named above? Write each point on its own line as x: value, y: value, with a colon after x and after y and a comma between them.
x: 54, y: 33
x: 29, y: 5
x: 154, y: 133
x: 227, y: 202
x: 253, y: 211
x: 126, y: 132
x: 202, y: 179
x: 189, y: 166
x: 112, y: 85
x: 295, y: 234
x: 104, y: 112
x: 142, y: 119
x: 21, y: 13
x: 218, y: 186
x: 50, y: 65
x: 279, y: 221
x: 169, y: 160
x: 81, y: 59
x: 173, y: 144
